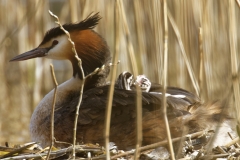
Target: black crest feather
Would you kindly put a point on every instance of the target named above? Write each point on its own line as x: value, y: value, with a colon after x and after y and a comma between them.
x: 88, y: 23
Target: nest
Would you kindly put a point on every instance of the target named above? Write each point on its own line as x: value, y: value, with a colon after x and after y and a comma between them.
x: 193, y: 146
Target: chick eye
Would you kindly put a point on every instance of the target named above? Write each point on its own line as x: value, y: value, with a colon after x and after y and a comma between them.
x: 55, y: 42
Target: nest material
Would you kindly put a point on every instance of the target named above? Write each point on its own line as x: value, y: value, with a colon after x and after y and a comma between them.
x: 194, y: 146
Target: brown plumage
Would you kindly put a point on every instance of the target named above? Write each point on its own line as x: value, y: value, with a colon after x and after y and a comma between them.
x: 184, y: 108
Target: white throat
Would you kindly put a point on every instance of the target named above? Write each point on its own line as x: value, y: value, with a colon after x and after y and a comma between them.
x: 72, y: 84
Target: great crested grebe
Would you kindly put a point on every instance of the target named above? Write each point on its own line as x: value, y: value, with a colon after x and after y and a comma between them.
x: 184, y: 108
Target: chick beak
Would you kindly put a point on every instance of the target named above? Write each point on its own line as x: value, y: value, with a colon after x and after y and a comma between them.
x: 37, y: 52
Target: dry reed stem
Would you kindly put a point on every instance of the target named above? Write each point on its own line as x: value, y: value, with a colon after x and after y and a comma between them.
x: 165, y: 64
x: 238, y: 2
x: 235, y: 140
x: 112, y: 78
x: 59, y: 153
x: 135, y: 73
x: 158, y: 144
x: 19, y: 150
x: 201, y: 61
x: 214, y: 156
x: 52, y: 111
x: 139, y: 32
x: 188, y: 64
x: 221, y: 150
x: 236, y: 144
x: 156, y: 12
x: 8, y: 149
x: 61, y: 142
x: 82, y: 85
x: 208, y: 40
x: 234, y: 61
x: 38, y: 85
x: 73, y: 4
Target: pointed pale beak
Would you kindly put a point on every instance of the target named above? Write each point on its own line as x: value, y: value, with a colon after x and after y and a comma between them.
x: 37, y: 52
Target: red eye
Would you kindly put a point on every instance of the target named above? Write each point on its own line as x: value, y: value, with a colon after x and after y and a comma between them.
x: 55, y: 42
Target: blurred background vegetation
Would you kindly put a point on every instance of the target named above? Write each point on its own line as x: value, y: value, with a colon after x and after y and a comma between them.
x: 24, y: 22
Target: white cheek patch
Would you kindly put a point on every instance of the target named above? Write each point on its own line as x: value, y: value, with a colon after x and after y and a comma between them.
x: 169, y: 95
x: 60, y: 50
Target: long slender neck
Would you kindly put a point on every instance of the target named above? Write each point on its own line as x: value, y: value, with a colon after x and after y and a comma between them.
x: 94, y: 53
